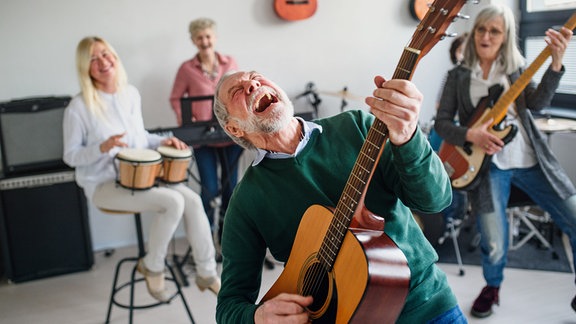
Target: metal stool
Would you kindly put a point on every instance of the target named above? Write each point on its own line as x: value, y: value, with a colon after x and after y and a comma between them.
x: 116, y: 287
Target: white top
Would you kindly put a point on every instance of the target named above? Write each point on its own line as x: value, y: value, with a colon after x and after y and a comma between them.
x: 84, y: 132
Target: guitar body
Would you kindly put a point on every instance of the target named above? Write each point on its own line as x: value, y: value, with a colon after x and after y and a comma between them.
x: 295, y: 9
x: 464, y: 164
x: 369, y: 272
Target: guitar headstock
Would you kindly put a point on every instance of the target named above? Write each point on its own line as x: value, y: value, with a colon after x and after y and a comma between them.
x: 431, y: 29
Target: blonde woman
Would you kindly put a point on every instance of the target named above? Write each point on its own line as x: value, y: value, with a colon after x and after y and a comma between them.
x: 106, y: 117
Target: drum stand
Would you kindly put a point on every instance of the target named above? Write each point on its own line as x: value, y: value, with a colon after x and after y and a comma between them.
x: 453, y: 232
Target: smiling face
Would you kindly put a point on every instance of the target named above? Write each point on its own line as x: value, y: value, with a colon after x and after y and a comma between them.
x: 488, y: 39
x: 255, y: 104
x: 102, y: 66
x: 204, y: 40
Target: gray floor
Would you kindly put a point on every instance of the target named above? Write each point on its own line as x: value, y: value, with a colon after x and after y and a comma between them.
x: 526, y: 297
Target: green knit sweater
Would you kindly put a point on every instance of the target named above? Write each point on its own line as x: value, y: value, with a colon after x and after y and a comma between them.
x: 268, y: 203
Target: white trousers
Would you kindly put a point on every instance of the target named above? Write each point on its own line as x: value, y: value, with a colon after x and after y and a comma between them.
x: 169, y: 203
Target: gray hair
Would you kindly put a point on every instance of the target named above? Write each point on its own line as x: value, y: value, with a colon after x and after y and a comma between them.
x: 223, y: 117
x: 510, y: 55
x: 201, y: 24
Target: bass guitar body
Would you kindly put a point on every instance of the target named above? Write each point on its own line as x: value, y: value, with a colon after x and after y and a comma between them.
x: 295, y: 9
x: 367, y: 284
x: 464, y: 164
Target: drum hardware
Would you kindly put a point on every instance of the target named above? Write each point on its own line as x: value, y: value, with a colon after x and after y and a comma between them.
x: 344, y: 95
x: 312, y: 96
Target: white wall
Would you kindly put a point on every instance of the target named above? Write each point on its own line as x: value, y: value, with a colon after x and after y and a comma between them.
x: 346, y: 43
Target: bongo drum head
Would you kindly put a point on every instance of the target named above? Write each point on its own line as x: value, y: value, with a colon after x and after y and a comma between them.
x: 169, y: 151
x: 139, y: 155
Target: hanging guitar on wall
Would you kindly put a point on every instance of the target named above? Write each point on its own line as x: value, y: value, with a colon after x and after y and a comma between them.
x: 419, y: 8
x: 295, y: 9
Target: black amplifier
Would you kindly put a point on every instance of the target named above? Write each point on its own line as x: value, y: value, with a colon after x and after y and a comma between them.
x: 44, y: 226
x: 31, y: 134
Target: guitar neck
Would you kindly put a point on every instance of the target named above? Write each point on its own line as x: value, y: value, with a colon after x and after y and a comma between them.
x: 359, y: 179
x: 500, y: 108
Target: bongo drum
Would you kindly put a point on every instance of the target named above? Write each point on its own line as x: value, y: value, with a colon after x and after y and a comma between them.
x: 138, y: 168
x: 175, y: 164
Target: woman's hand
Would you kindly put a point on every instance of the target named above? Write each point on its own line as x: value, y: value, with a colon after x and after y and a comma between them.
x: 558, y: 42
x: 481, y: 137
x: 175, y: 142
x: 112, y: 142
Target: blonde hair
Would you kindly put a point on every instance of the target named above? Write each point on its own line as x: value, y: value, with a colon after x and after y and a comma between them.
x: 201, y: 24
x: 510, y: 55
x: 83, y: 59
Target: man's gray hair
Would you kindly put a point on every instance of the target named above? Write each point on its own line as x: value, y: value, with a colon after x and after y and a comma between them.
x: 221, y: 113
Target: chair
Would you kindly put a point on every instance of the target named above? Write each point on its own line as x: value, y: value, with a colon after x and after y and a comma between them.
x: 523, y: 211
x: 117, y: 287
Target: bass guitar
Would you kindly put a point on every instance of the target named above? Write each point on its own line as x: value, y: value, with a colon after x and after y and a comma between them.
x: 341, y: 256
x: 464, y: 164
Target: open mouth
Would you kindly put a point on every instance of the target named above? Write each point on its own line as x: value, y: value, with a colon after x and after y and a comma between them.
x: 263, y: 103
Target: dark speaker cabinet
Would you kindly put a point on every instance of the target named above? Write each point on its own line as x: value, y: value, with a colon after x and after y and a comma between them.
x: 44, y: 226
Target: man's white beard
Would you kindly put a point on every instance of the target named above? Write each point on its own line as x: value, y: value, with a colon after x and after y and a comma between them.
x: 272, y: 123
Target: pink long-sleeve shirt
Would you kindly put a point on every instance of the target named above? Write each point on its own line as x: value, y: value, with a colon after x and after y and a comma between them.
x: 191, y: 81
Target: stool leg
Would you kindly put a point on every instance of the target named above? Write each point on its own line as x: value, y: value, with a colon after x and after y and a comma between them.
x: 180, y: 293
x: 132, y: 286
x: 114, y: 283
x: 141, y: 249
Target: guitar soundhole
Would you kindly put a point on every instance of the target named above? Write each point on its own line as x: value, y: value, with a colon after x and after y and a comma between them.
x: 318, y: 283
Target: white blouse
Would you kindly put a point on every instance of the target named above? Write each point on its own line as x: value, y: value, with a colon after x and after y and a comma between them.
x: 84, y: 132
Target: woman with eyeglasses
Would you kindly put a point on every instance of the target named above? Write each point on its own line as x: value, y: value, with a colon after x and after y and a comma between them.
x: 492, y: 57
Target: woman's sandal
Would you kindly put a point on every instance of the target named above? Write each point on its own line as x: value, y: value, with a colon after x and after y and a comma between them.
x: 153, y: 278
x: 210, y: 283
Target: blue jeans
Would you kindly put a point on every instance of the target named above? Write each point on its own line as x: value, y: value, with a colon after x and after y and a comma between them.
x: 452, y: 316
x: 493, y: 226
x: 207, y: 160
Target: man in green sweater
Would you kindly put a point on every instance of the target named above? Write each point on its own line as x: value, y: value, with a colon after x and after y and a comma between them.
x: 299, y: 164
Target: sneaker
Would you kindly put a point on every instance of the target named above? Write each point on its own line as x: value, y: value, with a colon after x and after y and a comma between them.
x: 483, y: 304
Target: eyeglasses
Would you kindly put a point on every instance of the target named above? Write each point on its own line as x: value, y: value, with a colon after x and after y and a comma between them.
x: 481, y: 31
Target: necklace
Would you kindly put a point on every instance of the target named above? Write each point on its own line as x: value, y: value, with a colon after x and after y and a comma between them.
x: 213, y: 73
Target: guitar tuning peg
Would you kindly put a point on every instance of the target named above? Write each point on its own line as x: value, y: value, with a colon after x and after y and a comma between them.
x: 449, y: 35
x: 461, y: 16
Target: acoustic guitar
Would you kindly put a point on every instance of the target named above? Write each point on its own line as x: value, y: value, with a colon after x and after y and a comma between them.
x: 341, y: 256
x: 464, y: 164
x: 295, y: 9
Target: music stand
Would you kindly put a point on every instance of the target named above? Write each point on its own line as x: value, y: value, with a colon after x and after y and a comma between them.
x: 186, y: 111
